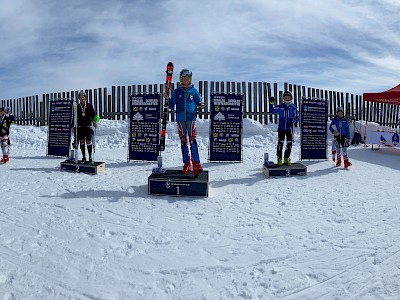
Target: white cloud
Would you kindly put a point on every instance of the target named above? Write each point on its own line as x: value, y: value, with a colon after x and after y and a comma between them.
x: 55, y: 46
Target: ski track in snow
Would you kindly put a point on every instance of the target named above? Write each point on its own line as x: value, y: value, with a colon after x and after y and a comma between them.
x: 332, y: 234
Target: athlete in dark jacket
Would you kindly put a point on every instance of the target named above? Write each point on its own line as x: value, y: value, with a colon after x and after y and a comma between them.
x: 86, y: 115
x: 6, y: 119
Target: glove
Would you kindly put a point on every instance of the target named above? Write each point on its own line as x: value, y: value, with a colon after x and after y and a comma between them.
x: 335, y: 133
x: 271, y: 100
x: 166, y: 95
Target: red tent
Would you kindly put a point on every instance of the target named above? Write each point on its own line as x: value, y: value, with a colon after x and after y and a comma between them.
x: 391, y: 96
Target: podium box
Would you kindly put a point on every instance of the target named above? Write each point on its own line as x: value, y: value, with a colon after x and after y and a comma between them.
x: 174, y: 183
x: 88, y: 168
x: 279, y: 171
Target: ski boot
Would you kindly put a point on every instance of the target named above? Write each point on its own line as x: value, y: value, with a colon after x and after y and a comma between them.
x: 279, y: 161
x: 333, y: 155
x: 287, y: 161
x: 338, y: 161
x: 347, y: 163
x: 197, y: 168
x: 4, y: 159
x: 186, y: 168
x: 83, y: 160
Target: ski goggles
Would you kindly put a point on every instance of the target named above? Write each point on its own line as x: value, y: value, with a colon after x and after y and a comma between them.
x: 186, y: 73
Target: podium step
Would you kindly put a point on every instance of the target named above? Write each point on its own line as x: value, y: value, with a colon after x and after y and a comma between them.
x: 293, y: 169
x: 88, y: 168
x: 174, y: 183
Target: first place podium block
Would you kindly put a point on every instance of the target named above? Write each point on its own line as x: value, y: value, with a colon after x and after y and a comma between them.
x: 88, y: 168
x: 277, y: 171
x: 174, y: 183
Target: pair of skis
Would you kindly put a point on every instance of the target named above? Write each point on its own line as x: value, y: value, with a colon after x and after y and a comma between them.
x: 164, y: 117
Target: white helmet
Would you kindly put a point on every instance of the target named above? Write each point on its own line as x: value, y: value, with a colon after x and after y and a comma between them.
x: 82, y: 93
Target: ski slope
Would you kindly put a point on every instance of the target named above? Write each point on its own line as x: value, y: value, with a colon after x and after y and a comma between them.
x: 333, y: 234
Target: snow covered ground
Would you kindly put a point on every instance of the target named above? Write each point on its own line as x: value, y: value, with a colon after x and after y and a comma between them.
x: 333, y: 234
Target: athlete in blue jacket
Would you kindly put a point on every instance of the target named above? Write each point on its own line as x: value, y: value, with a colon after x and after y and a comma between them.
x: 187, y: 101
x: 341, y: 132
x: 6, y: 119
x: 288, y: 116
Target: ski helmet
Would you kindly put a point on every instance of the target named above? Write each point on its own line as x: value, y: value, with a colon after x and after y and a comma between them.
x: 339, y: 108
x: 7, y: 109
x: 184, y: 73
x: 82, y: 93
x: 287, y: 93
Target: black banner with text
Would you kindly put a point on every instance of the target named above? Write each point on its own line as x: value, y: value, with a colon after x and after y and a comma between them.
x: 59, y: 132
x: 314, y: 118
x: 226, y: 141
x: 144, y: 129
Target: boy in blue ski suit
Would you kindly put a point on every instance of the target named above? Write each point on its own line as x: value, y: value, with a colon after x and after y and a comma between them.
x: 288, y: 116
x: 341, y: 131
x: 6, y: 119
x: 187, y: 100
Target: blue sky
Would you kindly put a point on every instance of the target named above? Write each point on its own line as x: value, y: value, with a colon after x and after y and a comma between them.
x: 343, y: 45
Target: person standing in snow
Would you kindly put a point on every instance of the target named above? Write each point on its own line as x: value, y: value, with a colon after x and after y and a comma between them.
x: 6, y: 119
x: 86, y: 115
x: 288, y: 116
x: 341, y: 131
x: 188, y: 101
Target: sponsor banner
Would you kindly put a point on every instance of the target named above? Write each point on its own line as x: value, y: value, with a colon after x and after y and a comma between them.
x: 226, y: 128
x: 381, y: 138
x: 59, y: 133
x: 314, y: 118
x: 144, y: 129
